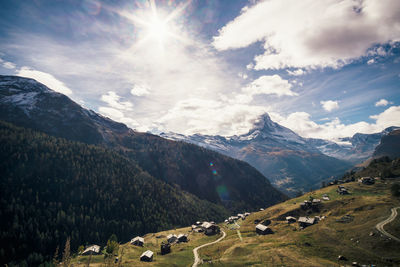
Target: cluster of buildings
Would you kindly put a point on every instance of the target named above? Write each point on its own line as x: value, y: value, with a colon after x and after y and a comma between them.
x: 234, y: 218
x: 165, y: 245
x: 305, y: 221
x: 313, y: 204
x: 208, y: 228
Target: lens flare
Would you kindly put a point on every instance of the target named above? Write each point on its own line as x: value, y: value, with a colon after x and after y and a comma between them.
x: 222, y: 192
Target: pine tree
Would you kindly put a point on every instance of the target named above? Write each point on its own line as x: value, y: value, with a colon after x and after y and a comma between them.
x: 55, y: 257
x: 67, y: 253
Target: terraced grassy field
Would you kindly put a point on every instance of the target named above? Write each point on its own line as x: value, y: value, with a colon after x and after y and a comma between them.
x: 317, y: 245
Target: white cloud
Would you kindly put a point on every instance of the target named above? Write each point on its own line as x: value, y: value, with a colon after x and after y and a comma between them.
x: 242, y: 75
x: 111, y: 112
x: 382, y: 103
x: 140, y: 90
x: 312, y: 34
x: 269, y: 85
x: 297, y: 72
x: 301, y: 123
x: 113, y: 100
x: 390, y: 117
x: 9, y: 65
x: 211, y: 117
x: 330, y: 105
x: 119, y: 116
x: 45, y: 78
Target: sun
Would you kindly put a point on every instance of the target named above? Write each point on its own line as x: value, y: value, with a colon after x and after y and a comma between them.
x: 157, y: 29
x: 156, y: 25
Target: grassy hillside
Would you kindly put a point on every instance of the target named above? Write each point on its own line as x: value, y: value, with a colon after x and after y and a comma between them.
x: 51, y: 189
x: 317, y: 245
x: 320, y: 244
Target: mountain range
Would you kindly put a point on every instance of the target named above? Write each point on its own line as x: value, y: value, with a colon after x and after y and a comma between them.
x: 202, y: 172
x: 291, y: 162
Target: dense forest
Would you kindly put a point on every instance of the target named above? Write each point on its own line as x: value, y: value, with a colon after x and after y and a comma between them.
x: 202, y: 172
x: 52, y: 189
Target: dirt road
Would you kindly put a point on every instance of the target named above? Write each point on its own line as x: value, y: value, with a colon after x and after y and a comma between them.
x: 196, y: 254
x: 380, y: 225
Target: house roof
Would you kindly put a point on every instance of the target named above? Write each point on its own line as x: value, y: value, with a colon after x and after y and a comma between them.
x: 261, y: 227
x: 206, y: 225
x: 290, y: 218
x: 171, y: 236
x: 147, y: 253
x: 306, y: 220
x: 94, y: 248
x: 181, y: 235
x: 138, y: 238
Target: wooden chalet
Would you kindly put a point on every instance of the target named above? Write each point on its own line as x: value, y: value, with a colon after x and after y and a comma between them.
x: 263, y: 230
x: 291, y: 219
x: 147, y: 256
x: 210, y: 228
x: 182, y: 238
x: 165, y: 248
x: 306, y: 221
x: 172, y: 238
x: 138, y: 241
x: 92, y: 250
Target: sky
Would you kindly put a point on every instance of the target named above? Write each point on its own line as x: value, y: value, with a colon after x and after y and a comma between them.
x: 325, y: 69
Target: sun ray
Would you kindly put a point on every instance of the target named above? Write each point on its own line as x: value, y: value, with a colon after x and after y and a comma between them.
x: 175, y: 13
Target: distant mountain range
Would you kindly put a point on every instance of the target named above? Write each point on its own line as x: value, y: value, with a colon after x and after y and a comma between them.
x: 206, y: 174
x: 359, y: 147
x: 289, y: 160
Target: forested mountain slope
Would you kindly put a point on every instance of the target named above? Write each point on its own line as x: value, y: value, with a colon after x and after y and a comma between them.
x: 204, y: 173
x: 51, y: 188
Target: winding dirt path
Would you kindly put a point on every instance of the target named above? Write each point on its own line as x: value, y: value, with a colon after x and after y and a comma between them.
x: 195, y: 250
x: 380, y: 225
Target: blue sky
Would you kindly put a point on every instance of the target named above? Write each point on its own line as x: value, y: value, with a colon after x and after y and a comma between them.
x: 325, y: 69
